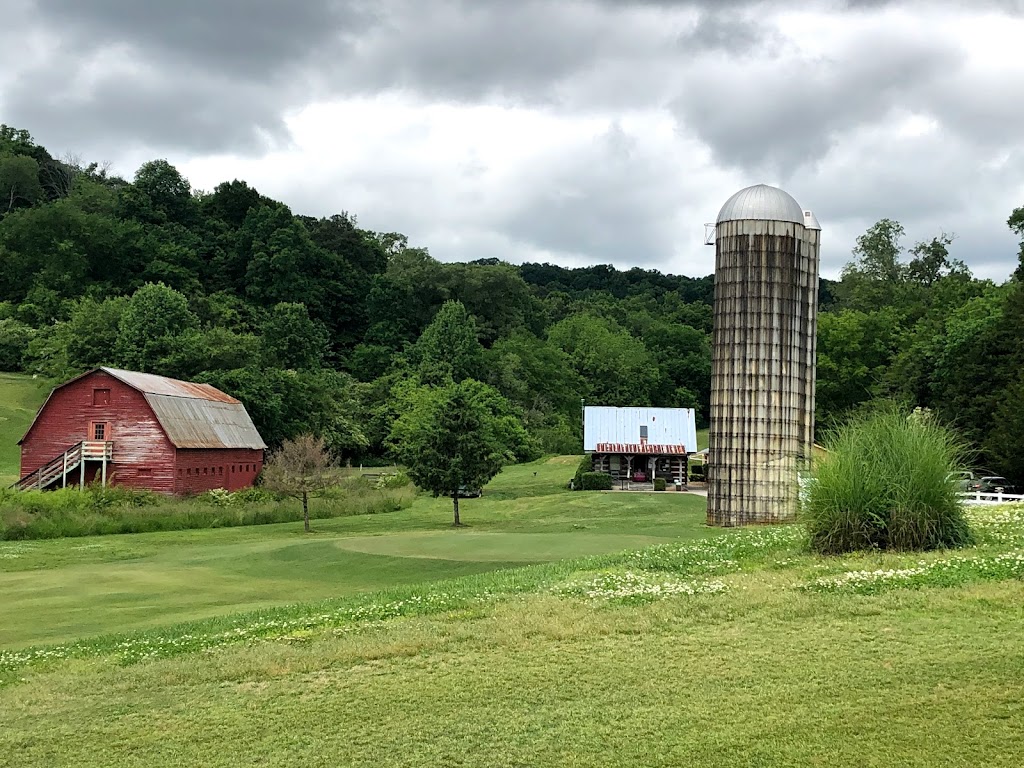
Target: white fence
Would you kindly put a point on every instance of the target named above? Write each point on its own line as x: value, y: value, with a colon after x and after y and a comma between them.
x: 990, y: 498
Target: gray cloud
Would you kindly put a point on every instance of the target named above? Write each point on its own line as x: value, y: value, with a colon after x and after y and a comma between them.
x: 190, y: 75
x: 717, y: 31
x: 246, y: 39
x: 778, y: 115
x: 607, y: 200
x: 528, y: 52
x: 197, y: 115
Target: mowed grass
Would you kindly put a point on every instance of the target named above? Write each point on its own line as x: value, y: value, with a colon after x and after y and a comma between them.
x: 20, y: 398
x: 763, y: 674
x: 64, y: 590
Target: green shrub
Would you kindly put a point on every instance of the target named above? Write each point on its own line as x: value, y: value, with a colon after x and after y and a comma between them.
x: 659, y: 483
x: 117, y: 495
x: 392, y: 480
x: 586, y: 465
x: 596, y: 481
x: 254, y: 495
x: 886, y: 483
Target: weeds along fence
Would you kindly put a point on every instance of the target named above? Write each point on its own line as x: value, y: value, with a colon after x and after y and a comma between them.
x: 990, y: 498
x: 99, y: 511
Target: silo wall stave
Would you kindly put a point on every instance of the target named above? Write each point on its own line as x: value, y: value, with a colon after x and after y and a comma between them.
x: 762, y: 393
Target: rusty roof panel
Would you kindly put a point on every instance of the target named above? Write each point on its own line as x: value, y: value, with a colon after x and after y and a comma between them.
x: 640, y: 448
x: 151, y: 384
x: 198, y: 423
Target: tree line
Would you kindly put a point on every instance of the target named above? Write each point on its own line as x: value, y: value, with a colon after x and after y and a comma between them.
x: 320, y: 326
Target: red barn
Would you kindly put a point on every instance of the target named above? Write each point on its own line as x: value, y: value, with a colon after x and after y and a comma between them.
x: 142, y: 431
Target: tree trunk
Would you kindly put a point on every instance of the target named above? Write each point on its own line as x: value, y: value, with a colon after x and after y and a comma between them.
x: 305, y: 509
x: 455, y: 503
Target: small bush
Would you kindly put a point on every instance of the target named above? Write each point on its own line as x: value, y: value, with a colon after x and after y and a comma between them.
x: 887, y: 483
x: 659, y: 483
x: 596, y: 481
x: 218, y: 497
x: 254, y: 495
x: 392, y: 480
x: 586, y: 465
x: 117, y: 495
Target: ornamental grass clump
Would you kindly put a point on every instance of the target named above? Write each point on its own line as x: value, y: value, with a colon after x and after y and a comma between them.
x: 887, y: 483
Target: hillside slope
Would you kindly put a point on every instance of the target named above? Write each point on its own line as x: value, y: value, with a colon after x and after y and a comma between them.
x: 20, y: 398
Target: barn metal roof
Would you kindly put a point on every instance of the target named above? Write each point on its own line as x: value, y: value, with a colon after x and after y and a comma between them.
x: 670, y: 430
x: 761, y: 202
x: 151, y: 384
x: 194, y: 415
x: 197, y: 423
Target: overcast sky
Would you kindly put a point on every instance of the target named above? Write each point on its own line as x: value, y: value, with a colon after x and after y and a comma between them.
x: 571, y: 131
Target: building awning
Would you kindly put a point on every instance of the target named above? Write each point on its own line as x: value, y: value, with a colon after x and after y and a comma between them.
x: 641, y: 448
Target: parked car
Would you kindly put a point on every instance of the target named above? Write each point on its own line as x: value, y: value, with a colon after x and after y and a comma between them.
x: 995, y: 484
x: 465, y: 492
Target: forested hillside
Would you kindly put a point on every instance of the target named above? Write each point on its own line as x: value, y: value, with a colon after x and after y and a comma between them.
x: 318, y: 325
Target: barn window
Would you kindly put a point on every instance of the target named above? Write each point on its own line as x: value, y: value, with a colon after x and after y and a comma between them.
x: 179, y: 471
x: 232, y: 469
x: 99, y: 431
x: 145, y: 471
x: 101, y: 397
x: 643, y: 432
x: 220, y: 471
x: 206, y: 470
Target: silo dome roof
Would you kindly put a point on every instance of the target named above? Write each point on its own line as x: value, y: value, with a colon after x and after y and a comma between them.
x: 761, y: 202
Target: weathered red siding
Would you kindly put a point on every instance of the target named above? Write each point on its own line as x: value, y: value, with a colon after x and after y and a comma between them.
x: 143, y: 456
x: 204, y: 469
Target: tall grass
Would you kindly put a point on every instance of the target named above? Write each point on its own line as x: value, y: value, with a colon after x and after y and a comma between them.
x: 886, y: 483
x: 69, y: 512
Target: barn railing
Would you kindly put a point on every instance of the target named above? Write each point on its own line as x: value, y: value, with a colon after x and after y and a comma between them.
x: 73, y: 458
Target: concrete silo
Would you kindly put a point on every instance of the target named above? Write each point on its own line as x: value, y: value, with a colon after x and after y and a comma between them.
x: 762, y: 381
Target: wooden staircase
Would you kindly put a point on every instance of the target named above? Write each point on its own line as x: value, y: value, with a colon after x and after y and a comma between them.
x: 73, y: 458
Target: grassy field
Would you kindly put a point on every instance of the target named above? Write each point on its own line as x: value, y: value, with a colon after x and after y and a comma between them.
x: 767, y: 657
x: 61, y: 590
x: 20, y: 398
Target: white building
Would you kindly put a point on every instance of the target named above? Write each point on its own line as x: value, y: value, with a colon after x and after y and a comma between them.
x: 640, y: 443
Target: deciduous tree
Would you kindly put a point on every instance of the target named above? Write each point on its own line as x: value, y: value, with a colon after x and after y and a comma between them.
x: 291, y: 339
x: 149, y: 326
x: 300, y: 468
x: 19, y: 181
